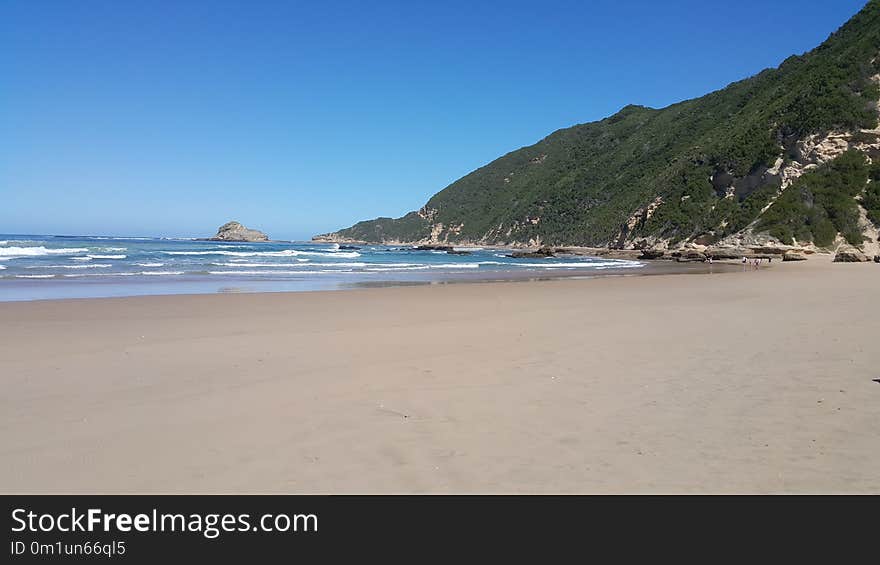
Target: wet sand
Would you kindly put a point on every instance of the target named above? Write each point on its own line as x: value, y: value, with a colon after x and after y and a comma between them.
x: 739, y: 382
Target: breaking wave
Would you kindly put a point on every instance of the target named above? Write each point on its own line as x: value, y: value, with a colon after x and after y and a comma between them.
x: 38, y: 251
x: 88, y: 266
x: 288, y: 265
x: 283, y: 253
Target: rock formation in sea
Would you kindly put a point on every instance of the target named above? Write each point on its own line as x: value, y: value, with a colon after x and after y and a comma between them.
x: 234, y: 231
x: 541, y: 253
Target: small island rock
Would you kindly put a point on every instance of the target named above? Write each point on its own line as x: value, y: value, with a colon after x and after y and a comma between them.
x: 234, y: 231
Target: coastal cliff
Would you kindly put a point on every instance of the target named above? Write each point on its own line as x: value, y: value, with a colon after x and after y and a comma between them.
x: 787, y: 159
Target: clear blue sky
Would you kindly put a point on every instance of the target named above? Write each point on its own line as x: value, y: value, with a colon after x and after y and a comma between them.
x: 170, y: 118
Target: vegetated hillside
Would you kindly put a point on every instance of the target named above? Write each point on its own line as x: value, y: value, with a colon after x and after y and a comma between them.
x: 786, y: 153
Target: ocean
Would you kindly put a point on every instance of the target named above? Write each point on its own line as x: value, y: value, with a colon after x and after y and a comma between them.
x: 36, y: 267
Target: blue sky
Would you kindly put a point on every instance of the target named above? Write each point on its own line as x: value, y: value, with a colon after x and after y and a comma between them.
x: 170, y: 118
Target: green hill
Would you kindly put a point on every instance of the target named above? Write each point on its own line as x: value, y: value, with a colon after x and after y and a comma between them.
x: 705, y: 169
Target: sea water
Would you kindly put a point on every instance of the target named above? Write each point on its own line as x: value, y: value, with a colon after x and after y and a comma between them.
x: 41, y: 267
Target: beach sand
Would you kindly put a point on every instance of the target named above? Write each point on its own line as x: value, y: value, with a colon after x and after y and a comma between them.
x: 729, y: 383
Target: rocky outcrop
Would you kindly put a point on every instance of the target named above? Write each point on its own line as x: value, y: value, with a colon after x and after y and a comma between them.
x: 651, y: 254
x: 541, y: 253
x: 234, y: 231
x: 850, y: 255
x: 794, y: 256
x: 447, y: 248
x: 627, y: 254
x: 727, y: 253
x: 637, y: 218
x: 769, y: 250
x: 336, y: 238
x: 688, y: 256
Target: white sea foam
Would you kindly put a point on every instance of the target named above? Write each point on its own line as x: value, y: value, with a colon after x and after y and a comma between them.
x: 323, y: 272
x: 38, y: 251
x: 467, y: 248
x: 106, y: 256
x: 218, y: 252
x: 86, y: 258
x: 21, y: 242
x: 456, y: 266
x: 236, y: 264
x: 628, y: 266
x: 242, y: 260
x: 34, y: 276
x: 128, y: 274
x: 245, y: 263
x: 555, y: 265
x: 91, y: 275
x: 334, y: 264
x: 331, y: 255
x: 161, y: 272
x: 415, y: 267
x: 2, y: 267
x: 283, y: 253
x: 392, y: 269
x: 88, y: 266
x: 287, y: 265
x: 549, y: 265
x: 150, y: 264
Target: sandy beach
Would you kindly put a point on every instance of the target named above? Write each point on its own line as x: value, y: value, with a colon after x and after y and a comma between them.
x: 738, y: 382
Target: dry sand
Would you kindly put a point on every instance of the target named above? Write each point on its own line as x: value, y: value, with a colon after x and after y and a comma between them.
x: 741, y: 382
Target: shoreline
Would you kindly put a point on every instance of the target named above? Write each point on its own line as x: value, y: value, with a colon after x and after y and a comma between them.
x: 86, y: 267
x: 750, y: 382
x: 195, y: 285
